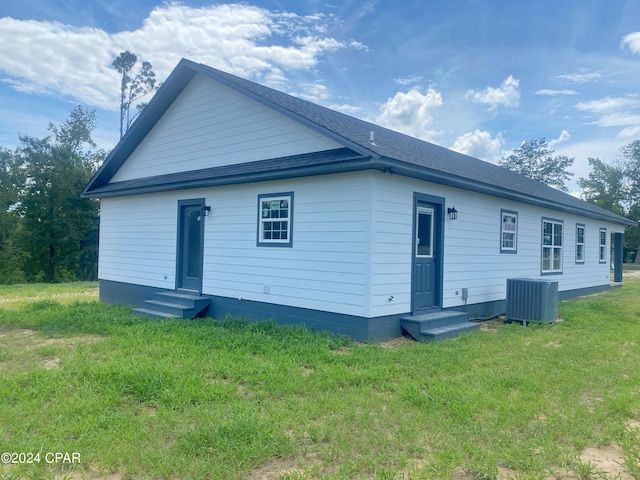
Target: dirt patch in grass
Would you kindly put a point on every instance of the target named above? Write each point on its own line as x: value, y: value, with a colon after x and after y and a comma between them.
x: 605, y: 460
x: 630, y: 273
x: 30, y: 339
x: 492, y: 325
x: 25, y: 340
x: 51, y: 362
x: 396, y: 342
x: 278, y: 467
x: 91, y: 474
x: 598, y: 462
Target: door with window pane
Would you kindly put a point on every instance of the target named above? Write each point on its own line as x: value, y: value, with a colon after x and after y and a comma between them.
x: 190, y: 239
x: 426, y: 251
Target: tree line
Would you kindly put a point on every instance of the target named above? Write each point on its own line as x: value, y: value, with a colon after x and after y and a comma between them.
x: 48, y: 233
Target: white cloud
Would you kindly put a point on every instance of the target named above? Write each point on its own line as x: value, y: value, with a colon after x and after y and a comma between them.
x: 631, y: 42
x: 507, y: 94
x: 630, y: 123
x: 564, y: 136
x: 606, y: 104
x: 411, y: 113
x: 409, y: 80
x: 618, y: 120
x: 313, y: 92
x: 611, y: 112
x: 582, y: 76
x: 553, y: 93
x: 630, y: 133
x: 75, y: 63
x: 480, y: 144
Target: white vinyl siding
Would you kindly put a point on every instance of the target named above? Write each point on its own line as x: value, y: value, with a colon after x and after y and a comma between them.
x: 326, y: 268
x: 471, y: 259
x: 352, y: 244
x: 210, y: 125
x: 138, y: 239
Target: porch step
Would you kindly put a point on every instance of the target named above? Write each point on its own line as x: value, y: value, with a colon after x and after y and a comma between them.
x: 145, y: 312
x: 174, y: 305
x: 437, y: 325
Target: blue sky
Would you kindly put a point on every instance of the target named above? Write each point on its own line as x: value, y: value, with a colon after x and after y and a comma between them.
x: 478, y: 76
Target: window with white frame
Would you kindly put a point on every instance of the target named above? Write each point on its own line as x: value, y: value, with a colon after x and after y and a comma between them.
x: 275, y: 217
x: 509, y: 232
x: 580, y: 243
x: 552, y: 233
x: 603, y: 245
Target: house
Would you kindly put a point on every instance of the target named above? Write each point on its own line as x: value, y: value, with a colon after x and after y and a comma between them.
x: 264, y: 205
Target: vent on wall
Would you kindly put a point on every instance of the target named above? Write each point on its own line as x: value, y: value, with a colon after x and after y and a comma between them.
x: 532, y: 300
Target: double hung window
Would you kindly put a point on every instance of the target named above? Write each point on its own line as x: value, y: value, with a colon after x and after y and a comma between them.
x: 275, y: 217
x: 603, y: 245
x: 552, y: 235
x: 580, y: 243
x: 509, y: 232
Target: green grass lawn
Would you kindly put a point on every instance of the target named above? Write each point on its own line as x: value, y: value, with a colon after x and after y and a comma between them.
x: 205, y: 399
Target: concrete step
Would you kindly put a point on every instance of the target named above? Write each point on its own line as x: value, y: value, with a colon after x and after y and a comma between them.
x: 146, y: 312
x: 174, y: 305
x: 189, y: 300
x: 450, y: 331
x: 437, y: 318
x: 176, y: 309
x: 437, y: 325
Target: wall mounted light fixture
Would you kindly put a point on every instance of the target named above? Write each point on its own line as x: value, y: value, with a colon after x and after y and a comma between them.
x: 206, y: 209
x: 453, y: 213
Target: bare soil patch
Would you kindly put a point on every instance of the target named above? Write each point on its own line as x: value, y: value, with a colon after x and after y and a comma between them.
x: 277, y: 467
x: 91, y: 474
x: 396, y: 342
x: 608, y: 459
x: 25, y: 340
x: 30, y: 339
x: 51, y: 362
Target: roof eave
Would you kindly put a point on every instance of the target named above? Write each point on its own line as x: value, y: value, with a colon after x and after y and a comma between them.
x: 434, y: 176
x: 125, y: 188
x: 385, y: 165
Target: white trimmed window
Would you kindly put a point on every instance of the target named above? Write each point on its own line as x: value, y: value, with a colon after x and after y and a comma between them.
x: 603, y: 245
x: 275, y: 216
x: 509, y: 232
x: 552, y: 232
x: 580, y: 243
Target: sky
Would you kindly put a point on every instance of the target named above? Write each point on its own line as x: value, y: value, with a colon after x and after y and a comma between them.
x: 476, y: 76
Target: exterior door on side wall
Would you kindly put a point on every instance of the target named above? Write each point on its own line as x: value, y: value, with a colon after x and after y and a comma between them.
x: 190, y: 245
x: 426, y: 251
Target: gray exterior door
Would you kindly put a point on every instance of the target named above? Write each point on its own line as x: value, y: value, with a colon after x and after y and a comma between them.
x: 190, y: 245
x: 426, y: 251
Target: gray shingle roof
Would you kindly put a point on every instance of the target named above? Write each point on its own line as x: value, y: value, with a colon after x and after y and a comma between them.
x: 393, y: 152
